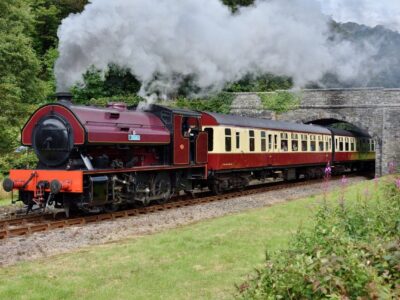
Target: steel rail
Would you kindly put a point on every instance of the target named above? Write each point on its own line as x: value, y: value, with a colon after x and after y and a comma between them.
x: 32, y: 224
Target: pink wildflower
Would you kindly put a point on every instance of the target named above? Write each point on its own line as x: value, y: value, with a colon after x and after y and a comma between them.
x: 328, y: 170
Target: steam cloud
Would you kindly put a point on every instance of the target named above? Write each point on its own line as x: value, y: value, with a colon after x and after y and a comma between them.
x: 367, y: 12
x: 163, y: 41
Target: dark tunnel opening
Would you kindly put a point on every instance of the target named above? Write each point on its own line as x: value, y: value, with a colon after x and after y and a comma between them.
x: 343, y: 125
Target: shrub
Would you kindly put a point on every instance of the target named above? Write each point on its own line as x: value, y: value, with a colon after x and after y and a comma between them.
x: 352, y: 252
x: 129, y: 100
x: 27, y: 160
x: 280, y: 101
x: 220, y: 103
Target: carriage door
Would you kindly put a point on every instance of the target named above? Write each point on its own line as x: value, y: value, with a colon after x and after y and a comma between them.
x: 181, y: 147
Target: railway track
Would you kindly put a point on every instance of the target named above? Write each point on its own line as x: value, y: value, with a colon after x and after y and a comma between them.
x: 39, y: 223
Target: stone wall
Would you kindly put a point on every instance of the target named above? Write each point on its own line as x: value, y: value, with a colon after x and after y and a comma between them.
x: 376, y: 111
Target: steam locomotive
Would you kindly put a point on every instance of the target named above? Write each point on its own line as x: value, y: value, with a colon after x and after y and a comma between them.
x: 97, y: 159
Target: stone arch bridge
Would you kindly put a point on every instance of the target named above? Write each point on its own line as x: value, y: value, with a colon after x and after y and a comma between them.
x: 376, y: 111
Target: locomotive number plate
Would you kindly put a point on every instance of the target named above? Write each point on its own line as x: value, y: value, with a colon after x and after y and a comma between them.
x: 134, y: 137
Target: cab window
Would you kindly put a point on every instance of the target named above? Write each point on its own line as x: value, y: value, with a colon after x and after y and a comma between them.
x: 210, y: 133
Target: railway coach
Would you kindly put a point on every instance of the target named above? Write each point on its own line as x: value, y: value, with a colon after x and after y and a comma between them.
x: 241, y: 149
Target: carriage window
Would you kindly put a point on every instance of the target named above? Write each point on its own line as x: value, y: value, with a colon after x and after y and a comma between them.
x: 341, y: 146
x: 263, y: 141
x: 251, y: 140
x: 237, y: 140
x: 228, y: 140
x: 284, y: 142
x: 295, y: 142
x: 270, y: 142
x: 210, y: 133
x: 295, y: 145
x: 304, y: 143
x: 373, y: 145
x: 321, y: 146
x: 352, y: 146
x: 313, y: 146
x: 275, y: 141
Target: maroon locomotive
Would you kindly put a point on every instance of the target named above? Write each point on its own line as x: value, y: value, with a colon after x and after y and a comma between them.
x: 100, y: 158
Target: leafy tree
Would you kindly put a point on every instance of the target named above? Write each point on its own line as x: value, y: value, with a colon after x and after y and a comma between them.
x: 263, y: 83
x: 70, y: 6
x: 47, y: 19
x: 19, y: 69
x: 115, y: 83
x: 220, y: 103
x: 235, y: 4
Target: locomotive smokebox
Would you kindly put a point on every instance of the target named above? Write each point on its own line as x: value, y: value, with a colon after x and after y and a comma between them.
x: 64, y: 97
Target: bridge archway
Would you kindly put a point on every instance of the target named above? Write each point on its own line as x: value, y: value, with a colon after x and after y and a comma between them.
x: 327, y: 118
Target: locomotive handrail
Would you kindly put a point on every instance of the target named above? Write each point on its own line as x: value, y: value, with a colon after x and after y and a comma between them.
x: 118, y: 124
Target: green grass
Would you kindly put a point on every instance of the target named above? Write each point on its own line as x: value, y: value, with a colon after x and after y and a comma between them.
x: 200, y: 261
x: 4, y: 202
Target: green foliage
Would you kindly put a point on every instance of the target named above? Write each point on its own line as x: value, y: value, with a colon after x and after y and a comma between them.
x: 47, y: 20
x: 116, y: 83
x: 280, y: 101
x: 129, y: 100
x: 263, y: 83
x: 220, y: 103
x: 352, y: 252
x: 27, y: 160
x: 19, y: 70
x: 235, y: 4
x: 19, y: 64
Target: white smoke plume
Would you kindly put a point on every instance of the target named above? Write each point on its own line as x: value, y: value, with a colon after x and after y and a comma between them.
x: 162, y: 41
x: 366, y: 12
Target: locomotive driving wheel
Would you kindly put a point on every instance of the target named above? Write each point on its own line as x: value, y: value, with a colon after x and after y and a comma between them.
x: 161, y: 188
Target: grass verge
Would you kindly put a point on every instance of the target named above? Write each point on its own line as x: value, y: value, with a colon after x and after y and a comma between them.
x: 200, y: 261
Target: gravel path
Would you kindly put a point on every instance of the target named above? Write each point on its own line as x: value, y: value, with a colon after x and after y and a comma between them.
x: 45, y: 244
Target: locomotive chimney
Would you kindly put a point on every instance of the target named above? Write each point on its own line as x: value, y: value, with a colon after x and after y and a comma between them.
x: 64, y: 97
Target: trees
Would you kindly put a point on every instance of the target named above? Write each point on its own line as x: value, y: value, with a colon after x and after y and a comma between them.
x: 117, y: 83
x: 19, y: 69
x: 235, y: 4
